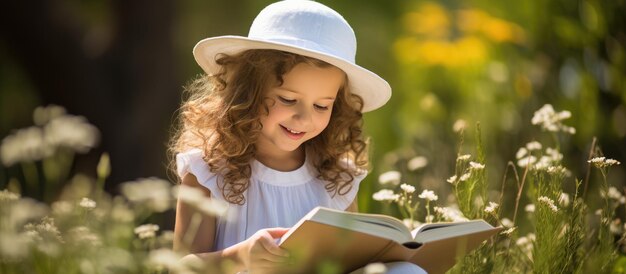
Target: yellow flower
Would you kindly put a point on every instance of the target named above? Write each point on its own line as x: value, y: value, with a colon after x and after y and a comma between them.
x: 431, y: 20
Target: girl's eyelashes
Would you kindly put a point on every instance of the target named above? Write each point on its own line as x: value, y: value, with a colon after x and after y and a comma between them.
x: 286, y: 101
x: 289, y: 102
x: 322, y: 108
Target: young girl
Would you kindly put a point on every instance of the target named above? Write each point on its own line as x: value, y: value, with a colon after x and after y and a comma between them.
x: 274, y: 130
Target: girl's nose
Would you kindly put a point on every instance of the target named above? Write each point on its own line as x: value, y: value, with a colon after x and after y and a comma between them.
x: 304, y: 115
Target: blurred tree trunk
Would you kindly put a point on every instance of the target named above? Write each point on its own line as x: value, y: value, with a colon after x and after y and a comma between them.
x: 126, y: 85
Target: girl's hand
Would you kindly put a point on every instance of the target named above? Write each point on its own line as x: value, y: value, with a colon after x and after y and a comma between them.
x: 261, y: 254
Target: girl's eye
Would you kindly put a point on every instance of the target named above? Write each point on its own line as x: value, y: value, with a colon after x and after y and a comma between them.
x: 318, y: 107
x: 286, y: 101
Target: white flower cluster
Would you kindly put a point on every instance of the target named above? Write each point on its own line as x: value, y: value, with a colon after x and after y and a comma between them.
x: 614, y: 194
x: 146, y: 231
x: 476, y: 166
x: 549, y: 202
x: 386, y: 195
x: 549, y: 161
x: 473, y: 167
x: 508, y: 231
x: 407, y: 188
x: 428, y: 195
x: 491, y: 208
x: 158, y: 198
x: 450, y: 214
x: 416, y: 163
x: 166, y: 259
x: 551, y: 120
x: 6, y: 195
x: 87, y: 203
x: 601, y: 162
x: 55, y: 129
x: 564, y: 199
x: 390, y: 177
x: 83, y: 235
x: 526, y: 244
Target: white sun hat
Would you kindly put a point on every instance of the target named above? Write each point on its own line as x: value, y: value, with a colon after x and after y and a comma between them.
x: 306, y: 28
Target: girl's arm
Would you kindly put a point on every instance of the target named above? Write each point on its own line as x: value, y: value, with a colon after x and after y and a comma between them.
x: 257, y: 252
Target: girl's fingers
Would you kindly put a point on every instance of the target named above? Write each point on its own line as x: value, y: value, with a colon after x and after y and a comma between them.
x: 271, y: 247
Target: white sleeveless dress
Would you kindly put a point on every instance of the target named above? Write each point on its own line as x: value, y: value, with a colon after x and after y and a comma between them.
x: 273, y: 198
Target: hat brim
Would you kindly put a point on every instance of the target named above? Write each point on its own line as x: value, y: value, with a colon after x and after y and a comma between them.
x: 374, y: 90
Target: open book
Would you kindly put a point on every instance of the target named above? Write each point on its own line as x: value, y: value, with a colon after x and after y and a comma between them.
x: 355, y: 239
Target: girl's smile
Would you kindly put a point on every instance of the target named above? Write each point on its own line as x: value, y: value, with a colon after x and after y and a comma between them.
x: 293, y: 134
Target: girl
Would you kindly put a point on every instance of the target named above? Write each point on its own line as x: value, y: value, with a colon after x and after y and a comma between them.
x: 274, y: 130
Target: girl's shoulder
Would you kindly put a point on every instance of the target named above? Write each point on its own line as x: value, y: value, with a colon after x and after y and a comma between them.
x: 192, y: 162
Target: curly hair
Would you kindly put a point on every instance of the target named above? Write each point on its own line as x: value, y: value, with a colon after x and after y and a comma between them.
x: 221, y: 116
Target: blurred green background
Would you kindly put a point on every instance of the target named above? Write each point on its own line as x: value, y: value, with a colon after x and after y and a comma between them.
x: 122, y: 64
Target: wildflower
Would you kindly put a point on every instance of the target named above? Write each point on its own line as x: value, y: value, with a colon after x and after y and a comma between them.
x: 43, y: 115
x: 375, y: 268
x: 491, y: 208
x: 83, y: 235
x: 463, y: 157
x: 411, y: 224
x: 21, y: 211
x: 476, y: 166
x: 534, y: 145
x: 44, y: 236
x: 522, y: 241
x: 389, y: 177
x: 146, y: 231
x: 166, y: 259
x: 25, y: 145
x: 417, y: 163
x: 598, y: 212
x: 554, y: 154
x: 429, y: 218
x: 407, y: 188
x: 464, y: 177
x: 564, y: 199
x: 549, y: 202
x: 428, y: 195
x: 120, y: 212
x: 6, y: 195
x: 459, y: 125
x: 530, y: 208
x: 521, y: 152
x: 550, y: 120
x: 528, y: 160
x: 616, y: 227
x: 385, y: 195
x: 601, y: 162
x: 158, y: 198
x: 72, y: 132
x: 557, y: 170
x: 452, y: 179
x: 87, y: 203
x: 14, y: 246
x: 62, y: 208
x: 508, y: 231
x: 611, y: 162
x: 450, y: 214
x: 506, y: 222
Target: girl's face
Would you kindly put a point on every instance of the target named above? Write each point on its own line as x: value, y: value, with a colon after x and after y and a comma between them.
x: 299, y: 109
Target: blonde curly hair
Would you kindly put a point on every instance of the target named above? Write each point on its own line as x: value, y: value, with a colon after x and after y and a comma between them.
x: 221, y: 116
